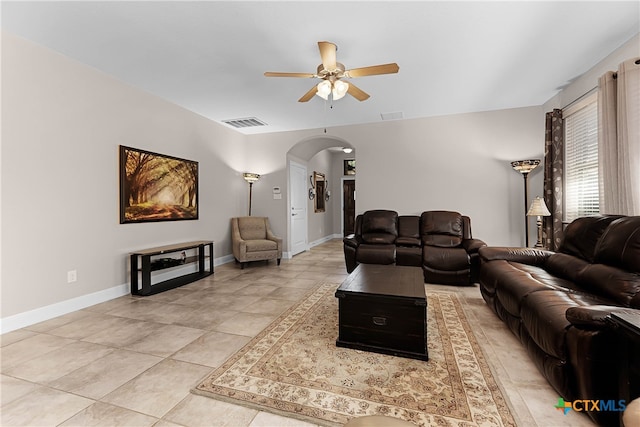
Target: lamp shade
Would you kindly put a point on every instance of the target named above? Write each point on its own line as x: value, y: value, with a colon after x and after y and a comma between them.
x: 250, y: 177
x: 538, y: 208
x: 525, y: 166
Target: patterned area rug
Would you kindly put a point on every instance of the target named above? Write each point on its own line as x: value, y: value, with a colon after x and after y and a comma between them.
x: 294, y: 368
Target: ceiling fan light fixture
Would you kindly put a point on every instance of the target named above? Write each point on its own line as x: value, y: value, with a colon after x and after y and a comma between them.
x: 324, y: 89
x: 340, y: 89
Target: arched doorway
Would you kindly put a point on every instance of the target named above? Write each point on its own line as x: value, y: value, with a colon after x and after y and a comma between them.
x: 324, y: 155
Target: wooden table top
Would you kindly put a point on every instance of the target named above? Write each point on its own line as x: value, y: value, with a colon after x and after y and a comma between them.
x: 386, y: 280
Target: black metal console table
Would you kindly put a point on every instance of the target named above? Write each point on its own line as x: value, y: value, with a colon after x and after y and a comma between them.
x: 142, y: 262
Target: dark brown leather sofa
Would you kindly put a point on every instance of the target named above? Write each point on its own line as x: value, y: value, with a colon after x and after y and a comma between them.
x: 438, y: 241
x: 557, y: 303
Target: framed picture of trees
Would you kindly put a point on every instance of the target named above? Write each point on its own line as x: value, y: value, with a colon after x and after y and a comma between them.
x: 156, y: 187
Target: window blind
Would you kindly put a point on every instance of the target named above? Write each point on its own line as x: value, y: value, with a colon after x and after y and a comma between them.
x: 581, y: 162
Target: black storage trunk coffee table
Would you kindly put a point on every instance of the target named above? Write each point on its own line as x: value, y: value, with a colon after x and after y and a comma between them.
x: 383, y: 308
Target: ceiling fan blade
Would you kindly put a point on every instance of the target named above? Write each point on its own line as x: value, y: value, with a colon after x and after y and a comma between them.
x: 328, y: 55
x: 276, y: 74
x: 373, y: 70
x: 307, y: 96
x: 357, y: 93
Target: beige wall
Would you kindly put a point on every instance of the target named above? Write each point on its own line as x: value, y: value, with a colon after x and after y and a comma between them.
x: 458, y: 162
x: 62, y: 123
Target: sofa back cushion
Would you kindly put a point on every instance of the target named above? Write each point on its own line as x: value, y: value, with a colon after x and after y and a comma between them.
x: 620, y: 244
x: 565, y: 266
x: 583, y: 234
x: 441, y: 228
x: 252, y: 228
x: 379, y: 227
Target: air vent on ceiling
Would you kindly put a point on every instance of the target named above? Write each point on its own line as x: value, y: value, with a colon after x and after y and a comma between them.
x: 391, y: 116
x: 247, y: 122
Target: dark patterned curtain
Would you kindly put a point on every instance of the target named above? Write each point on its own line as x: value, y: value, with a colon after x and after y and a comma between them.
x: 553, y: 168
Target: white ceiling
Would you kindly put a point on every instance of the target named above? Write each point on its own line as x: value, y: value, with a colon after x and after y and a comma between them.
x: 454, y: 57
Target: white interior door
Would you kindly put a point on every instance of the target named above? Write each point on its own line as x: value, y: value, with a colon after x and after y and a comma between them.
x: 298, y: 197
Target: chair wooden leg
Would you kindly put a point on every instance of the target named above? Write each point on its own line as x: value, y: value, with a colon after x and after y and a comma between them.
x: 242, y: 264
x: 278, y: 261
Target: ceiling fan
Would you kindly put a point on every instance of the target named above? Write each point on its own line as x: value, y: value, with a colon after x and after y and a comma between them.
x: 332, y: 72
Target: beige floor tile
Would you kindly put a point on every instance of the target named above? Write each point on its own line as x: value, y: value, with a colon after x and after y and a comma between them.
x: 211, y: 349
x: 302, y: 283
x: 158, y: 389
x: 165, y: 423
x: 109, y: 305
x: 106, y: 374
x: 166, y: 341
x: 257, y: 289
x: 193, y: 409
x: 57, y: 321
x: 13, y: 388
x: 142, y: 309
x: 42, y: 407
x: 88, y: 325
x: 542, y: 400
x: 266, y: 419
x: 15, y: 336
x: 247, y: 324
x: 59, y: 362
x: 274, y: 306
x: 227, y: 287
x: 291, y: 294
x: 202, y: 317
x: 124, y: 333
x: 30, y: 348
x: 103, y: 414
x: 172, y: 295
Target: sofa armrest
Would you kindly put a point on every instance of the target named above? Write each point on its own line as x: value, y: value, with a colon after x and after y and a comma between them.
x: 239, y: 245
x: 592, y: 317
x: 352, y: 241
x: 271, y: 236
x: 472, y: 245
x: 529, y: 256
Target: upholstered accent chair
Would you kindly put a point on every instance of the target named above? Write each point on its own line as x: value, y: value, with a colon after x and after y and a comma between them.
x: 253, y: 240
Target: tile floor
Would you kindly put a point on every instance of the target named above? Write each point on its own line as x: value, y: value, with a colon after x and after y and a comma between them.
x: 132, y: 361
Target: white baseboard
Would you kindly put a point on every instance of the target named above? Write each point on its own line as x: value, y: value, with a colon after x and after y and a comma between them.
x: 324, y: 240
x: 31, y: 317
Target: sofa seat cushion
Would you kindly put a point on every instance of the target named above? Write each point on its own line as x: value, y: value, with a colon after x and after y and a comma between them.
x: 543, y: 315
x: 407, y: 241
x: 261, y: 245
x: 379, y: 238
x: 515, y: 281
x: 445, y: 259
x: 376, y: 254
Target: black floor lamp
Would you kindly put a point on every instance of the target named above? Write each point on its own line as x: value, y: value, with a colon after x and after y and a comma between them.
x: 524, y: 167
x: 250, y: 178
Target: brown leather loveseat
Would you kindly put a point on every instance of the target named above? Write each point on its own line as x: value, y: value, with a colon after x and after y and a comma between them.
x: 557, y: 303
x: 438, y: 241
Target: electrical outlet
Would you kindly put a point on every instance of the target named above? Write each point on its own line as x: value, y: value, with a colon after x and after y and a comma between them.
x: 72, y: 276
